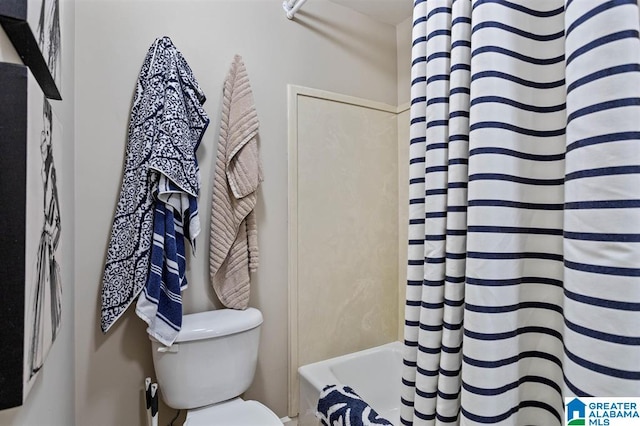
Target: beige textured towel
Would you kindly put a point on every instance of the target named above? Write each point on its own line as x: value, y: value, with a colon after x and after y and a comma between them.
x: 234, y: 234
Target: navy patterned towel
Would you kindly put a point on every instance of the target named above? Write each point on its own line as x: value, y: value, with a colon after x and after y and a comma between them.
x: 166, y: 126
x: 340, y: 405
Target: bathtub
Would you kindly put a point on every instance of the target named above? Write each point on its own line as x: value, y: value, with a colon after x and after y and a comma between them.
x: 375, y: 374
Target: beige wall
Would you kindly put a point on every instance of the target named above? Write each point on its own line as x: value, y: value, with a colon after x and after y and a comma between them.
x: 328, y: 47
x: 7, y: 52
x: 51, y: 400
x: 403, y: 40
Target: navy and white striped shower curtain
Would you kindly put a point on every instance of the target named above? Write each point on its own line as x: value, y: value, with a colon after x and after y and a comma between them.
x: 524, y: 251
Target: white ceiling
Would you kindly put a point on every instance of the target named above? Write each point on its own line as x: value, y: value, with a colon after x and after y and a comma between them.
x: 388, y: 11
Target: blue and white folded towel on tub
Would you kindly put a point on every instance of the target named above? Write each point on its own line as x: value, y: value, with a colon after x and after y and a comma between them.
x: 339, y: 405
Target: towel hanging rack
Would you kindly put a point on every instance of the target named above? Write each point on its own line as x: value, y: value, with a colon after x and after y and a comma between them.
x: 292, y: 6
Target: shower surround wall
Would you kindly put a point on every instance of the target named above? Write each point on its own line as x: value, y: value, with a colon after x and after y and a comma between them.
x: 343, y: 229
x: 347, y: 228
x: 330, y: 47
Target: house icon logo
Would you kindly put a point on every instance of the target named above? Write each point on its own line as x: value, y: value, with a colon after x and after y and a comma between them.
x: 576, y: 413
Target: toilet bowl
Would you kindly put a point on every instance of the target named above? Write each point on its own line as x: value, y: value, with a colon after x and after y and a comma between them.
x: 211, y: 363
x: 233, y: 413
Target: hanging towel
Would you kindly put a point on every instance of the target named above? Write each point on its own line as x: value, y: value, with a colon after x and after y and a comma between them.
x: 234, y: 243
x: 339, y: 405
x: 160, y: 302
x: 166, y: 125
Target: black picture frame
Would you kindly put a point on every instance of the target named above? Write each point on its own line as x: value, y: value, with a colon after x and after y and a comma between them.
x: 30, y: 219
x: 44, y: 65
x: 13, y: 166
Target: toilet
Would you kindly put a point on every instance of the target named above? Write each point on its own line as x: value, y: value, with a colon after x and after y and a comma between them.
x: 210, y: 365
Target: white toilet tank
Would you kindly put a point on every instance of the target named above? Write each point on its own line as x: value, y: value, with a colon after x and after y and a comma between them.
x: 213, y: 359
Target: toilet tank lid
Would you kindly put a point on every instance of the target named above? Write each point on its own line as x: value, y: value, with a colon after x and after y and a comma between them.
x: 218, y: 323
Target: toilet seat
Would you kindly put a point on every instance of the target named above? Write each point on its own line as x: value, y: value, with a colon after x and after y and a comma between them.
x: 235, y: 412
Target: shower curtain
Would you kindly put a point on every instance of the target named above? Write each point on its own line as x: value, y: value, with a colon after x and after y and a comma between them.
x: 524, y: 236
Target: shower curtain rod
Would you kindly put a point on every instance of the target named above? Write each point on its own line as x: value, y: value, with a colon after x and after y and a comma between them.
x: 292, y: 6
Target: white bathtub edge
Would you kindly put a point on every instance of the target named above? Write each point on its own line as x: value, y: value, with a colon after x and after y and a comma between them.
x: 314, y: 377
